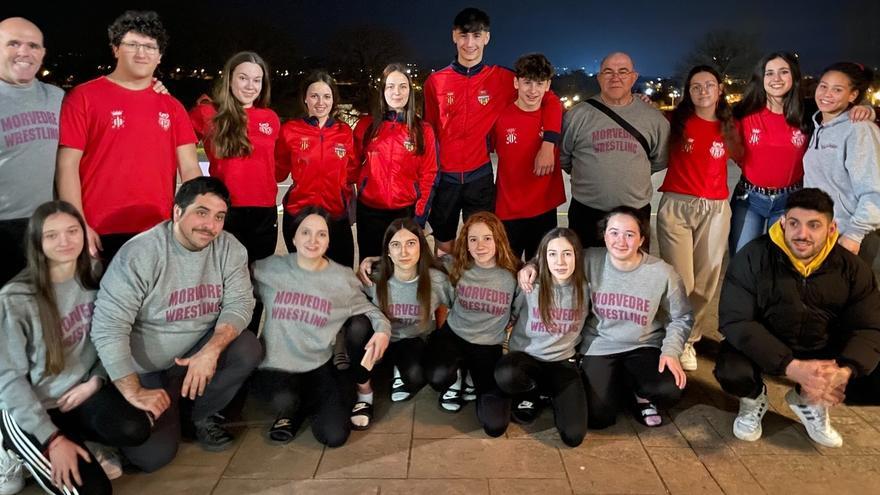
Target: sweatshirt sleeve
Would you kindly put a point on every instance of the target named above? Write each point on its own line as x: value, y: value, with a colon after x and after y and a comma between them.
x: 862, y: 163
x: 681, y: 317
x: 862, y: 349
x: 237, y: 305
x: 427, y: 175
x: 17, y: 397
x: 360, y: 305
x: 551, y: 117
x: 738, y: 315
x: 660, y: 153
x: 572, y: 122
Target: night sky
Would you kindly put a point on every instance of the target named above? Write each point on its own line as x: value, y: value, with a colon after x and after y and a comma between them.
x: 571, y: 33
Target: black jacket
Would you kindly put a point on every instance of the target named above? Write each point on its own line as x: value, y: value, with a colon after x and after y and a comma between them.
x: 772, y: 313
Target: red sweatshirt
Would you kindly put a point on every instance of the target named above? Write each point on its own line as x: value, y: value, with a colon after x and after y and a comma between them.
x: 321, y: 161
x: 698, y: 165
x: 462, y: 104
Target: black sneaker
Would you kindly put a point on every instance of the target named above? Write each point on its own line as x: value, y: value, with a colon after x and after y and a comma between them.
x: 211, y: 436
x: 526, y: 411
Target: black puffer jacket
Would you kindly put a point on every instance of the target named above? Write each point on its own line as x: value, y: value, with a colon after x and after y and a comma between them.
x: 772, y: 313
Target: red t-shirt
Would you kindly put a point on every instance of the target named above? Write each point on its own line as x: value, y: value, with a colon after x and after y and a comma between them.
x: 774, y: 150
x: 251, y: 178
x: 518, y: 135
x: 698, y: 165
x: 129, y: 139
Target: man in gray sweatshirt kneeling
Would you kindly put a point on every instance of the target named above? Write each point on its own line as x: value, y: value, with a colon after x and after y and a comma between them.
x: 168, y: 322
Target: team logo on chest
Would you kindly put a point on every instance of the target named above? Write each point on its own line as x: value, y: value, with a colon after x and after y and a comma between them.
x: 688, y: 145
x: 450, y: 98
x: 483, y: 97
x: 797, y: 138
x: 340, y: 150
x: 164, y: 121
x: 755, y: 138
x: 304, y: 143
x: 408, y: 144
x: 511, y: 136
x: 117, y: 121
x: 265, y: 128
x: 717, y: 149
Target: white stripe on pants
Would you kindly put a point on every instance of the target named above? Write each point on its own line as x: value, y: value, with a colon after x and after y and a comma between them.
x: 34, y: 460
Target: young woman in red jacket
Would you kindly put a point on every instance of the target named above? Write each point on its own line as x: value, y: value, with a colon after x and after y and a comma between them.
x: 398, y: 162
x: 318, y: 153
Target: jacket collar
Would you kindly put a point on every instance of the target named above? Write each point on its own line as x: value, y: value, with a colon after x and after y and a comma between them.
x: 313, y: 121
x: 467, y: 71
x: 392, y: 116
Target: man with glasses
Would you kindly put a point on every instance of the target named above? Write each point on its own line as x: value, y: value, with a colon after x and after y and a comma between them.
x: 121, y: 143
x: 608, y: 164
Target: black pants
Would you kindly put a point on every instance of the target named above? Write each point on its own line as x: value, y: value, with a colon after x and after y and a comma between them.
x: 372, y: 224
x: 12, y: 257
x: 447, y: 354
x: 518, y: 373
x: 235, y: 364
x: 612, y: 380
x: 256, y: 227
x: 452, y: 198
x: 740, y: 376
x: 341, y: 248
x: 407, y: 355
x: 110, y: 245
x: 105, y: 417
x: 525, y: 233
x: 585, y: 222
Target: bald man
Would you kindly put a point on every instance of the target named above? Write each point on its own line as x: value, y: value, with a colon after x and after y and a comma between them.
x: 29, y: 115
x: 609, y: 167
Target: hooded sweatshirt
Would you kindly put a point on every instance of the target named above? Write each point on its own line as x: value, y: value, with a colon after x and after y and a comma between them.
x: 843, y: 159
x: 805, y: 269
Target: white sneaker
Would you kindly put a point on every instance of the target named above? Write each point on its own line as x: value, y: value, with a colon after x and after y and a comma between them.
x: 688, y: 358
x: 747, y: 425
x: 11, y: 473
x: 108, y: 458
x: 815, y: 419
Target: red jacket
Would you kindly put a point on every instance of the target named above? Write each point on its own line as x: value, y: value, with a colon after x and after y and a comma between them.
x: 320, y: 160
x: 392, y: 176
x: 462, y: 105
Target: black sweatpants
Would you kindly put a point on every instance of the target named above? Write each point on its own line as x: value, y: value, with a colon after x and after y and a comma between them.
x: 372, y: 224
x: 525, y: 234
x: 518, y: 373
x: 105, y: 417
x: 584, y: 220
x: 235, y: 364
x: 111, y: 244
x: 742, y: 377
x: 447, y: 354
x: 12, y: 234
x: 341, y: 248
x: 611, y: 381
x: 256, y: 228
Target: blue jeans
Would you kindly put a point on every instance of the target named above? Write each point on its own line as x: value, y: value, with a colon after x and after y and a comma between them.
x: 752, y: 213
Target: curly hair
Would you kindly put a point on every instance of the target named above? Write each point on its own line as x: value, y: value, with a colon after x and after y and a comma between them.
x: 143, y: 22
x: 461, y: 257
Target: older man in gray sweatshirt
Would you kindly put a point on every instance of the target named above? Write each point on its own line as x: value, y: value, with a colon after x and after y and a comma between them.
x: 169, y: 317
x: 609, y: 167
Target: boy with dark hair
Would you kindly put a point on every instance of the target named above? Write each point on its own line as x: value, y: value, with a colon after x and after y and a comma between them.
x: 527, y: 197
x: 462, y: 102
x: 121, y: 144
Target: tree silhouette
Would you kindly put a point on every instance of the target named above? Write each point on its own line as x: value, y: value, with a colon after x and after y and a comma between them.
x: 732, y: 54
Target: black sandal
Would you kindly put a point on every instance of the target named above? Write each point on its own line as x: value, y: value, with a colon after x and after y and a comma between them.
x: 282, y: 430
x: 364, y: 409
x: 645, y: 410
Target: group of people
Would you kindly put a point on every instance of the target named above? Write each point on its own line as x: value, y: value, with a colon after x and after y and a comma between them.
x: 133, y: 314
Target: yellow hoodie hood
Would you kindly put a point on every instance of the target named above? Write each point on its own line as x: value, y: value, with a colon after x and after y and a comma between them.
x: 805, y: 269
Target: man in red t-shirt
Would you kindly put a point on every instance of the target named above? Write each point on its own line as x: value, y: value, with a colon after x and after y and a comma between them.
x: 122, y: 143
x: 527, y: 195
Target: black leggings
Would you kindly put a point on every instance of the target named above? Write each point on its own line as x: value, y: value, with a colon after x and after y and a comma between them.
x: 612, y: 379
x: 371, y: 226
x: 105, y: 417
x: 407, y: 355
x: 518, y: 373
x: 447, y: 354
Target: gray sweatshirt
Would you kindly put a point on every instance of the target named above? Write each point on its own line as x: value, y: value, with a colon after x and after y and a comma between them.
x: 531, y: 336
x: 483, y: 299
x: 597, y: 153
x: 645, y: 307
x: 843, y: 159
x: 158, y: 299
x: 404, y: 303
x: 305, y: 310
x: 29, y: 126
x: 27, y: 390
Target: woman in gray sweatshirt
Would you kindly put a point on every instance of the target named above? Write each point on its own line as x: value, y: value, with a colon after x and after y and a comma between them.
x: 843, y: 158
x: 53, y: 391
x: 544, y: 339
x: 640, y: 321
x: 308, y: 299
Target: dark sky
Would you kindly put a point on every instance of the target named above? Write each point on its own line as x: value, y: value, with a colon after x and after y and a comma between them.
x: 571, y: 33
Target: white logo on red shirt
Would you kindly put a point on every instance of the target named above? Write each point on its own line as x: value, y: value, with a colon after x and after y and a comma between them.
x: 164, y: 121
x: 483, y: 97
x: 511, y: 136
x: 450, y: 98
x: 755, y: 137
x: 304, y: 144
x: 409, y: 145
x: 688, y: 146
x: 797, y: 138
x: 117, y: 121
x: 717, y: 149
x: 340, y: 150
x: 265, y: 128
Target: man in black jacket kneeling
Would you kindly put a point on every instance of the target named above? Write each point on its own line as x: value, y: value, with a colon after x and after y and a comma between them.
x: 795, y: 303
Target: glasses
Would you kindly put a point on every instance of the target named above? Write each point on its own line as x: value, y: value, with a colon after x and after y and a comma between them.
x: 133, y: 47
x: 622, y: 73
x: 703, y: 88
